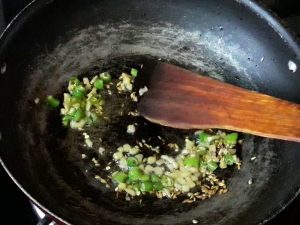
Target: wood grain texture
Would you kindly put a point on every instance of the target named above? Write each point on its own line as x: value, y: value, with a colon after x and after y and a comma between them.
x: 182, y: 99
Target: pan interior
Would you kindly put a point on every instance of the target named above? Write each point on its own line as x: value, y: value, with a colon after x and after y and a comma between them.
x: 61, y: 149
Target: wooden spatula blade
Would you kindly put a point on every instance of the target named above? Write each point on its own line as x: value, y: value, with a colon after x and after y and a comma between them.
x: 182, y: 99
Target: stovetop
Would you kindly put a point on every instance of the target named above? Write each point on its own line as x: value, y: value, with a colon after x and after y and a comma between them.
x: 15, y: 207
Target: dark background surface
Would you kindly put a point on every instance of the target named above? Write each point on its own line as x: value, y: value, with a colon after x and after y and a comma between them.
x: 15, y: 208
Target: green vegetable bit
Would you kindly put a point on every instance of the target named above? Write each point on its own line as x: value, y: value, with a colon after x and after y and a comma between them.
x: 132, y: 162
x: 134, y: 72
x: 66, y: 119
x: 203, y: 165
x: 74, y: 81
x: 78, y: 92
x: 204, y: 138
x: 136, y: 186
x: 230, y: 159
x: 146, y: 186
x: 158, y: 186
x: 231, y: 139
x: 192, y: 161
x: 167, y: 181
x: 154, y: 178
x: 211, y: 166
x: 52, y: 102
x: 144, y: 177
x: 78, y: 115
x: 120, y: 177
x: 135, y: 174
x: 74, y: 100
x: 99, y: 84
x: 106, y: 77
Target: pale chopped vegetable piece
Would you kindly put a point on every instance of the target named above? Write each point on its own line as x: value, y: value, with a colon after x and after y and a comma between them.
x: 131, y: 129
x: 36, y: 100
x: 101, y: 150
x: 143, y: 90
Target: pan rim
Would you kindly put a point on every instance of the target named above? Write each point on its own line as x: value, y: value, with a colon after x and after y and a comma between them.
x: 30, y: 198
x: 8, y: 29
x: 277, y: 24
x: 258, y: 8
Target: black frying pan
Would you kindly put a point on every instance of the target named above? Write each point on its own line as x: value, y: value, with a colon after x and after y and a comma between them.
x: 50, y: 40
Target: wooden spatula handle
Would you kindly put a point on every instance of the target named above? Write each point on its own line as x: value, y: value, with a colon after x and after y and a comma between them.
x: 179, y: 98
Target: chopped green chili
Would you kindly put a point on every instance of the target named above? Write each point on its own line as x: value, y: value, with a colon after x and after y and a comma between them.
x: 144, y: 177
x: 120, y: 177
x: 155, y: 178
x: 212, y: 166
x: 135, y: 174
x: 134, y: 72
x: 52, y: 102
x: 105, y: 76
x: 66, y: 119
x: 74, y: 81
x: 204, y: 138
x: 79, y: 114
x: 136, y: 186
x: 231, y: 139
x: 99, y: 84
x: 192, y: 161
x: 78, y: 92
x: 230, y: 159
x: 132, y: 162
x: 146, y: 186
x: 157, y: 186
x: 203, y: 165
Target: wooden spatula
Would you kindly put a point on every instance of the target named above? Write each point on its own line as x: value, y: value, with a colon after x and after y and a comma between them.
x: 182, y: 99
